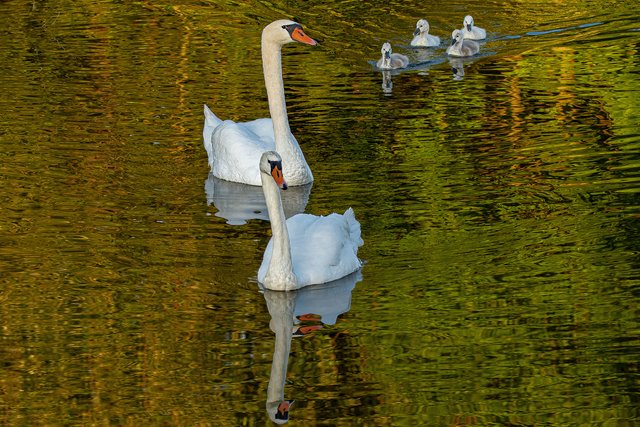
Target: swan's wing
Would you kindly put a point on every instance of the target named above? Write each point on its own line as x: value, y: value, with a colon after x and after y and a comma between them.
x: 469, y: 48
x: 324, y: 248
x: 236, y: 149
x: 399, y: 61
x: 418, y: 41
x: 425, y: 40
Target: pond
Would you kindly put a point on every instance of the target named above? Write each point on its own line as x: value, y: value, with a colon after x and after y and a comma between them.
x: 499, y: 200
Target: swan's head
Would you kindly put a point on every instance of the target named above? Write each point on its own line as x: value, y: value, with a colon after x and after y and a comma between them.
x: 284, y: 31
x: 468, y: 22
x: 279, y: 411
x: 422, y: 27
x: 456, y: 36
x: 386, y: 50
x: 271, y: 164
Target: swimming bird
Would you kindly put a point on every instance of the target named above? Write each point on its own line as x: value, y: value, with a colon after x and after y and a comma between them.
x: 234, y: 149
x: 305, y: 249
x: 470, y: 31
x: 390, y: 60
x: 460, y: 46
x: 422, y: 38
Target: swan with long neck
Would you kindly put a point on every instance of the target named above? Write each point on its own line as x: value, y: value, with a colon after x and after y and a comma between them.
x: 304, y: 249
x: 234, y: 149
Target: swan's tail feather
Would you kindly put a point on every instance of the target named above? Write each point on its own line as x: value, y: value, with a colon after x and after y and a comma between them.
x: 211, y: 121
x: 354, y: 228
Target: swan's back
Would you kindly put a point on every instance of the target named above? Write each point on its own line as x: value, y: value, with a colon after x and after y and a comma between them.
x: 229, y: 143
x: 323, y: 248
x: 469, y: 48
x: 237, y: 147
x: 399, y: 61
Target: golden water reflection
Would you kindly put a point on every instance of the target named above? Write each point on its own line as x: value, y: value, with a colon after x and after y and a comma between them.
x: 499, y: 214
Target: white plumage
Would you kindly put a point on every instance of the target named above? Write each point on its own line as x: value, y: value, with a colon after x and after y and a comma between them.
x: 422, y: 38
x: 470, y: 31
x: 462, y: 47
x: 390, y: 60
x: 234, y: 149
x: 305, y: 249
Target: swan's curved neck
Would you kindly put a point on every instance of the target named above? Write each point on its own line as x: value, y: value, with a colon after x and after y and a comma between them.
x: 279, y: 274
x: 282, y: 324
x: 275, y: 389
x: 272, y: 69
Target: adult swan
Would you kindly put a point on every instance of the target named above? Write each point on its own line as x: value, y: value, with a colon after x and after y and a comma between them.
x: 234, y: 149
x: 305, y: 249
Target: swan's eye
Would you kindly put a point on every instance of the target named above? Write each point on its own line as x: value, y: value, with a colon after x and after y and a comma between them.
x: 275, y: 166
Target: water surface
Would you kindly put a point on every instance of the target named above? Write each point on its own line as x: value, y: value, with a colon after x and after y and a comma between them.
x: 499, y: 210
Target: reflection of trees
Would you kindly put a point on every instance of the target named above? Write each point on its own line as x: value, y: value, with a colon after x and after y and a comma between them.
x: 518, y: 172
x: 514, y: 197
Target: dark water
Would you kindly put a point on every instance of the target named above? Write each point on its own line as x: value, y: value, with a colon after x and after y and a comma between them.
x: 499, y: 210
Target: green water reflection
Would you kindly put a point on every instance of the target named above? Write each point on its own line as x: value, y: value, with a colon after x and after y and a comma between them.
x: 499, y: 212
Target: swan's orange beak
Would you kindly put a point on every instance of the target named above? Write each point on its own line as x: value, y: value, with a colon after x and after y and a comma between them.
x: 298, y: 35
x: 276, y: 173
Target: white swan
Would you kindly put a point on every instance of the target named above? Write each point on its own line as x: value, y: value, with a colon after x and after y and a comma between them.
x: 461, y: 47
x: 391, y: 61
x: 471, y: 32
x: 422, y: 38
x: 234, y: 149
x: 306, y: 249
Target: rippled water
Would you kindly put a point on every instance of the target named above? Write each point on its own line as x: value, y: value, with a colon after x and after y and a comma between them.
x: 498, y: 197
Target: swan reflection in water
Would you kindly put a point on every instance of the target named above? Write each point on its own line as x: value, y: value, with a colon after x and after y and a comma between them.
x: 297, y: 313
x: 457, y: 68
x: 387, y: 83
x: 239, y: 203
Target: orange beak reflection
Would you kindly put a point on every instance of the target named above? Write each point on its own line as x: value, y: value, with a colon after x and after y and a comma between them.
x: 299, y: 35
x: 283, y: 410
